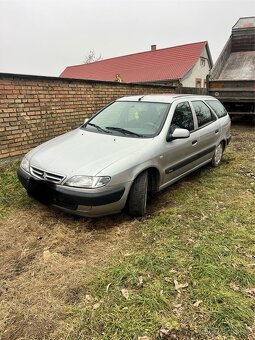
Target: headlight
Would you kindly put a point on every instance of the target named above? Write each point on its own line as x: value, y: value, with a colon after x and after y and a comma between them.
x: 89, y: 182
x: 25, y: 164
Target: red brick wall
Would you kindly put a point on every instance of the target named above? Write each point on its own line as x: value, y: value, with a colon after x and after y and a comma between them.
x: 34, y: 109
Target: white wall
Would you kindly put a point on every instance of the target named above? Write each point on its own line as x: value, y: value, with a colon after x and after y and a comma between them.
x: 197, y: 71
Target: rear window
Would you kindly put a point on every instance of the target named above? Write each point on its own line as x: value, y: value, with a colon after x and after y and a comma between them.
x: 217, y: 107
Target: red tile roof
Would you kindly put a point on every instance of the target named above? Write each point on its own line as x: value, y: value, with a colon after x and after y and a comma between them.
x: 163, y: 64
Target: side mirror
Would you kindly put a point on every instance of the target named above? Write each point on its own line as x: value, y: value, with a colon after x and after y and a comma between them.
x: 177, y: 134
x: 86, y: 120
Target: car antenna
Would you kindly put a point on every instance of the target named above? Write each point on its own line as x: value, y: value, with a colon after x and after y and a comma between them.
x: 140, y: 98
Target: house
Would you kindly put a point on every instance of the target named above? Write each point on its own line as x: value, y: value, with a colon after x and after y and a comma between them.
x: 184, y: 65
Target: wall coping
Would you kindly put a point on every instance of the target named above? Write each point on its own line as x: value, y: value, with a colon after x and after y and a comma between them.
x: 73, y: 80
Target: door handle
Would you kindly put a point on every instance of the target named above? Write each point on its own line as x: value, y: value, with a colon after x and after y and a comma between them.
x: 216, y: 132
x: 194, y: 142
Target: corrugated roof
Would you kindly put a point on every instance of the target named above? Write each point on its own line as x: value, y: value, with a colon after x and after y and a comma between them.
x: 163, y: 64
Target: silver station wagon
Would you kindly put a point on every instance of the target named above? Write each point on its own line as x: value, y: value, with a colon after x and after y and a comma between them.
x: 129, y: 150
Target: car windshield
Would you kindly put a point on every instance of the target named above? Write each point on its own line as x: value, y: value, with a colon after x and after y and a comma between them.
x: 132, y: 119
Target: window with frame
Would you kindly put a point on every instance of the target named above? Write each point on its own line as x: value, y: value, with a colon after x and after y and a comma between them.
x: 183, y: 117
x: 202, y: 62
x: 217, y: 107
x: 198, y: 82
x: 203, y: 113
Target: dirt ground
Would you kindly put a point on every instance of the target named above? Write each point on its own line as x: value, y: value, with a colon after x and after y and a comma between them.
x: 46, y: 256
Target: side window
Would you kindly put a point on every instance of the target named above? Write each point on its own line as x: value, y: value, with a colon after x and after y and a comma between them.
x: 182, y: 117
x: 217, y: 107
x: 203, y: 113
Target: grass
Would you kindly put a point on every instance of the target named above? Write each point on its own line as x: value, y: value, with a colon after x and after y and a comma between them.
x: 11, y: 193
x: 187, y: 270
x: 204, y: 238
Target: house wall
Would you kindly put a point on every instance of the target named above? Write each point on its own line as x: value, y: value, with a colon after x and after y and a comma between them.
x: 197, y: 72
x: 35, y: 109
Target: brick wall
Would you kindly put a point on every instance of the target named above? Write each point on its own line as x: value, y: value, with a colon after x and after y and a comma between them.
x: 34, y: 109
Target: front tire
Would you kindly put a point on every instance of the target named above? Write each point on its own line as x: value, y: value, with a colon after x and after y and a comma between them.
x: 217, y: 157
x: 137, y: 201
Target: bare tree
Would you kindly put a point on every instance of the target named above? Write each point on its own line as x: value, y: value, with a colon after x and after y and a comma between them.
x: 92, y: 57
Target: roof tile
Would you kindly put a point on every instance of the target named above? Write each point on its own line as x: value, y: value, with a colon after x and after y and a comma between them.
x: 163, y: 64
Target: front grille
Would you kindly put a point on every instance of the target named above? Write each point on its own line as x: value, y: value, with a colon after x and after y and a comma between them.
x: 47, y: 176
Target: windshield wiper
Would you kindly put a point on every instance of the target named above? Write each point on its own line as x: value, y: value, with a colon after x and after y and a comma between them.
x: 126, y: 132
x: 98, y: 127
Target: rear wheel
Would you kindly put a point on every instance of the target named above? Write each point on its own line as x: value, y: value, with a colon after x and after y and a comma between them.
x: 217, y: 157
x: 138, y: 195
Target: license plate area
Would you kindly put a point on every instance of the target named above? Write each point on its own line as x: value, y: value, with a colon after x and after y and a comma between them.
x: 43, y: 191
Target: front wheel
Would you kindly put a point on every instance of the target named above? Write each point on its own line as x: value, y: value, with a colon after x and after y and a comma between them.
x: 217, y: 157
x: 137, y: 201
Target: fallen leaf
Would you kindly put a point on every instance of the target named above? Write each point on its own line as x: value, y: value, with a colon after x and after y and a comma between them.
x: 108, y: 286
x: 125, y: 293
x: 143, y: 338
x: 126, y: 254
x: 46, y: 254
x: 88, y: 298
x: 197, y: 303
x: 167, y: 333
x: 179, y: 305
x: 164, y: 331
x: 204, y: 217
x: 161, y: 293
x: 140, y: 281
x: 248, y: 255
x: 234, y: 287
x: 250, y: 291
x: 179, y: 286
x: 96, y: 305
x: 168, y: 279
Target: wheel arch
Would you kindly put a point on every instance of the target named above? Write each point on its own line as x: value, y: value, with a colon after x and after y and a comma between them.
x: 154, y: 177
x: 224, y: 143
x: 153, y: 184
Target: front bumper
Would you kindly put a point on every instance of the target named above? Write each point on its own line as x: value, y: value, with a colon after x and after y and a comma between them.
x: 73, y: 200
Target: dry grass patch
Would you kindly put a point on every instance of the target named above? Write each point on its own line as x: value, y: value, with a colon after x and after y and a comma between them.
x: 45, y: 258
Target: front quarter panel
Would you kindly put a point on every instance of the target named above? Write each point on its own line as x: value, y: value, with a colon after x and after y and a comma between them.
x: 128, y: 168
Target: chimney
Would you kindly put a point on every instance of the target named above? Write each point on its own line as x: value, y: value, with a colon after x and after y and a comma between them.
x: 153, y: 47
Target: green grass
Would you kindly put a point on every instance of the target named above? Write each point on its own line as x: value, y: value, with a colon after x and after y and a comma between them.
x: 205, y: 238
x: 11, y: 193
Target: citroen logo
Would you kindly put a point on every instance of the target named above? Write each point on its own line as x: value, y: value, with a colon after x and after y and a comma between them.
x: 44, y: 175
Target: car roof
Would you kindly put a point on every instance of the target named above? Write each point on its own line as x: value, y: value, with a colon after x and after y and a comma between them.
x: 163, y: 98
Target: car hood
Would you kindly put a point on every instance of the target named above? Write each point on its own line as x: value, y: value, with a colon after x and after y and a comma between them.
x: 83, y: 152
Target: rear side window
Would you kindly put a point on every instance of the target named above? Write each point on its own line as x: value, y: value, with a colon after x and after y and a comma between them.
x: 182, y: 117
x: 203, y: 113
x: 217, y: 107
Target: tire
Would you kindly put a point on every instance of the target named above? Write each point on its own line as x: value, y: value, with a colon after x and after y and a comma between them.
x: 137, y: 201
x: 217, y: 157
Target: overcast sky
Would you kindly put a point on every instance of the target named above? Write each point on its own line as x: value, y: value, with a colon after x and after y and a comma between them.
x: 42, y: 37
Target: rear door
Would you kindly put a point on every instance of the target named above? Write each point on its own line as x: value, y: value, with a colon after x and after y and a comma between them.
x: 224, y: 119
x: 208, y: 129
